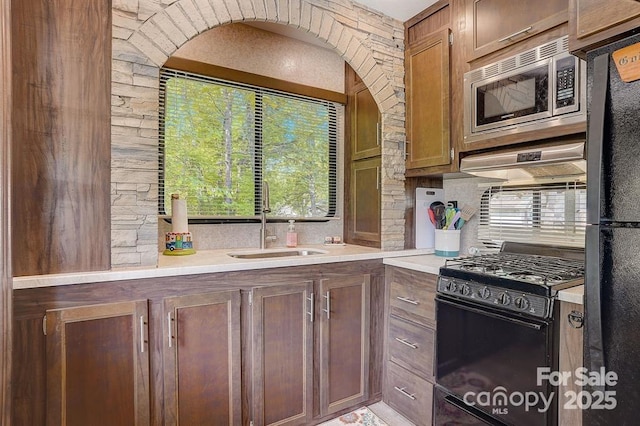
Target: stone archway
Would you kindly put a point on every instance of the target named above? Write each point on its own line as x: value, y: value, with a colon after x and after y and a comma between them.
x: 145, y: 38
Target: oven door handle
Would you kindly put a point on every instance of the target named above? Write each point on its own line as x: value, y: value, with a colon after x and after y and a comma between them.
x: 530, y: 324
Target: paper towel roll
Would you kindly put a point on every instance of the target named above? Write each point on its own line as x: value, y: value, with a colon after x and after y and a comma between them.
x: 179, y: 221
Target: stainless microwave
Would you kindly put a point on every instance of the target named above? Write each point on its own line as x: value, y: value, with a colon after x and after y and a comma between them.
x: 536, y: 89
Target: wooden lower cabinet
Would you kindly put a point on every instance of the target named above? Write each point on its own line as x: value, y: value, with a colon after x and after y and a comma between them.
x: 344, y: 342
x: 284, y: 320
x: 410, y: 343
x: 282, y: 354
x: 287, y: 346
x: 570, y: 356
x: 201, y: 359
x: 98, y: 365
x: 98, y: 362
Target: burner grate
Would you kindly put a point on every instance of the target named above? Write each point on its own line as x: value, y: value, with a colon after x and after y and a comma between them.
x: 541, y: 270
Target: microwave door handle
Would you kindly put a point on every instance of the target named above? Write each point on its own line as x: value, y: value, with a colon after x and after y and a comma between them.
x: 593, y: 312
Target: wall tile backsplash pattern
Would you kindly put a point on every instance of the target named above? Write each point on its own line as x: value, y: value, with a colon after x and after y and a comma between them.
x: 147, y: 32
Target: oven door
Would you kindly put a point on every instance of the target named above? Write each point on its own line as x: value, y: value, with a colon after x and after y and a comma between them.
x: 487, y: 366
x: 511, y: 99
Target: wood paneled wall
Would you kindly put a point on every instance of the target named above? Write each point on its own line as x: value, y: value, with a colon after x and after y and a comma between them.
x: 61, y: 136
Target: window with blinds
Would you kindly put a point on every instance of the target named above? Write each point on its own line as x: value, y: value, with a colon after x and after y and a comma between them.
x: 552, y: 214
x: 220, y: 140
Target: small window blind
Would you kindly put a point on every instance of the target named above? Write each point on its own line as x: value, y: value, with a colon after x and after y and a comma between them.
x: 220, y: 140
x: 553, y: 214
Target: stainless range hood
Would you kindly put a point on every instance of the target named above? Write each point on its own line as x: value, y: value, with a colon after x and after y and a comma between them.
x: 530, y: 163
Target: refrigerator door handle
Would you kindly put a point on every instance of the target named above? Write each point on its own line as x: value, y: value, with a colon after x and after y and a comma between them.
x: 593, y: 311
x: 595, y: 135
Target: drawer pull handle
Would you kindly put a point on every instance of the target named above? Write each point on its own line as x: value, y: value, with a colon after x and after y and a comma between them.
x: 405, y: 393
x: 406, y: 299
x: 406, y: 342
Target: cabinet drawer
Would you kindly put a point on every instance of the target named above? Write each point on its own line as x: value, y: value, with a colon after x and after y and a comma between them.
x: 410, y: 395
x: 412, y: 296
x: 411, y: 346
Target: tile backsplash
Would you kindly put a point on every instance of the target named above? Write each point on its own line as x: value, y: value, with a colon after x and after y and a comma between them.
x: 466, y: 190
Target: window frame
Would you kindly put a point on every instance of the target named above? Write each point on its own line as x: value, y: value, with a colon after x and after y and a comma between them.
x: 185, y: 66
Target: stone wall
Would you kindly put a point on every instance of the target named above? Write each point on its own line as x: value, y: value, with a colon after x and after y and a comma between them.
x: 147, y: 32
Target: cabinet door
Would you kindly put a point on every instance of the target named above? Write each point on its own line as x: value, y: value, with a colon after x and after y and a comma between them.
x: 365, y: 201
x: 594, y: 22
x: 201, y: 349
x: 98, y: 365
x: 496, y: 24
x: 365, y: 124
x: 282, y: 354
x: 344, y: 342
x: 570, y: 358
x: 428, y: 109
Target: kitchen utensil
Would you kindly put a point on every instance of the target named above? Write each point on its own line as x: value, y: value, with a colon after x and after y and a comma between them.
x: 439, y: 213
x: 450, y: 212
x: 466, y: 213
x: 432, y: 216
x: 452, y: 224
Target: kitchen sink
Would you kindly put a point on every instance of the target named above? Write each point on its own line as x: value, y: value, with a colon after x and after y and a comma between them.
x: 268, y: 254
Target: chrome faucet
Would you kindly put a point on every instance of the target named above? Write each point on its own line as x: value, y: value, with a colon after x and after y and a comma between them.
x: 264, y: 209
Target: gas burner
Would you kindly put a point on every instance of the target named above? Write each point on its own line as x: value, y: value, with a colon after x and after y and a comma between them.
x: 528, y: 268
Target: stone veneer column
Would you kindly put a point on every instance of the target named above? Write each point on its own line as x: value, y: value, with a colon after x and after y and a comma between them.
x: 147, y: 32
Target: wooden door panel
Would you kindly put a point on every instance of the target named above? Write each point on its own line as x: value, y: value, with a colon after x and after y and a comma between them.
x: 202, y: 359
x: 594, y: 16
x: 428, y: 109
x: 98, y: 365
x: 344, y: 342
x: 366, y: 135
x: 282, y: 330
x: 366, y: 200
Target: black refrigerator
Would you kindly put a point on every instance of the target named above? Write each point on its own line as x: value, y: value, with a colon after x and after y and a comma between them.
x: 612, y: 282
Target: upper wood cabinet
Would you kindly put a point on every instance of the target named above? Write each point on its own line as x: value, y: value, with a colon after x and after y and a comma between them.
x: 496, y: 24
x: 365, y: 123
x: 61, y: 136
x: 363, y: 221
x: 98, y: 365
x: 362, y: 164
x: 201, y: 359
x: 427, y: 67
x: 593, y: 23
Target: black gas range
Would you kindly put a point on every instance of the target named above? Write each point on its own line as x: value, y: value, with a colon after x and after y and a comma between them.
x: 496, y: 328
x: 521, y: 278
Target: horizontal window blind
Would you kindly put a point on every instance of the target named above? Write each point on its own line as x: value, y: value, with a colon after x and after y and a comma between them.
x: 552, y: 214
x: 220, y: 140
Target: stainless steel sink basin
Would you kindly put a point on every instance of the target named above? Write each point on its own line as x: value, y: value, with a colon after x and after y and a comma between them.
x: 268, y: 254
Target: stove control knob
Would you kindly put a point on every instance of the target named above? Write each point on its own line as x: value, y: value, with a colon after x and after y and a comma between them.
x: 521, y: 303
x: 451, y: 286
x: 484, y: 293
x: 465, y: 290
x: 504, y: 299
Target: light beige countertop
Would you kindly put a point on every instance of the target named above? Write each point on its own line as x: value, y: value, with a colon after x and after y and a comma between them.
x: 212, y: 261
x: 572, y: 295
x: 429, y: 263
